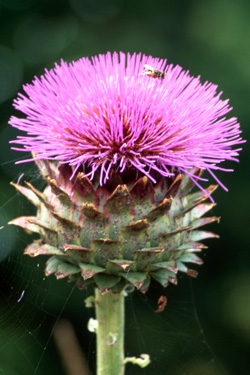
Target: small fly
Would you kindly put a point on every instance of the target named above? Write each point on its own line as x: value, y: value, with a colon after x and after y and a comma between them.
x: 152, y: 72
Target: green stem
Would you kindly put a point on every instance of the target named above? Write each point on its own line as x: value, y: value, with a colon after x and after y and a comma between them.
x: 110, y: 333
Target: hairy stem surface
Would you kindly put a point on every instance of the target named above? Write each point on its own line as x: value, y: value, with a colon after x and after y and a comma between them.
x: 110, y: 333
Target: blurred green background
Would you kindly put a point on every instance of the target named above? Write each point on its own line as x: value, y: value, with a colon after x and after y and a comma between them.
x: 205, y: 328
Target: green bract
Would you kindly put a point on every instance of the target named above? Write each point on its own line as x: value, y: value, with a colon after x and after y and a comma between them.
x: 128, y: 231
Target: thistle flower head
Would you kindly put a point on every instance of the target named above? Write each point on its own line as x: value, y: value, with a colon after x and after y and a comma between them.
x: 126, y: 119
x: 105, y: 113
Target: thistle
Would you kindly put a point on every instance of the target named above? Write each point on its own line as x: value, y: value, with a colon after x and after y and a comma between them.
x: 121, y: 151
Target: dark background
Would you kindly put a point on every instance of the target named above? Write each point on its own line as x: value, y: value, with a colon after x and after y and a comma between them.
x: 205, y: 328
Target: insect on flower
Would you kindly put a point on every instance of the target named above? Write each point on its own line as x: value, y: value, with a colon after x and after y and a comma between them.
x: 154, y: 73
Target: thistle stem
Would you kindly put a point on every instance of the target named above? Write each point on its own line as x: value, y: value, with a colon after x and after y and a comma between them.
x: 110, y: 333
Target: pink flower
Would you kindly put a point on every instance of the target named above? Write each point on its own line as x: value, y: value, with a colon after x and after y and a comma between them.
x: 106, y: 113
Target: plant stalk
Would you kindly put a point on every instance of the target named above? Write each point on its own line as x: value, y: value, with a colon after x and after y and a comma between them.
x: 110, y: 333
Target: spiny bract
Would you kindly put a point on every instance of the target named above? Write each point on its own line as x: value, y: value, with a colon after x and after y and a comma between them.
x: 125, y: 232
